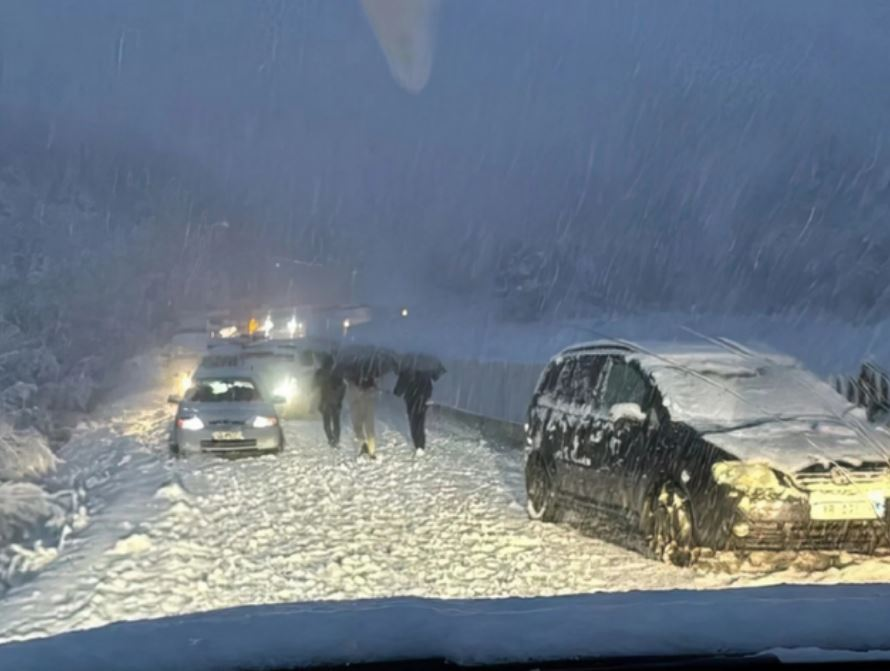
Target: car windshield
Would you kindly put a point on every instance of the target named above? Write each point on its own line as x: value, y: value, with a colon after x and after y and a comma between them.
x: 268, y: 356
x: 721, y: 394
x: 220, y: 361
x: 223, y: 391
x: 375, y: 332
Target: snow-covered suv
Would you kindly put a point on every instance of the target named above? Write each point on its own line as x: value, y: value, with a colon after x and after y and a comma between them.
x: 705, y: 446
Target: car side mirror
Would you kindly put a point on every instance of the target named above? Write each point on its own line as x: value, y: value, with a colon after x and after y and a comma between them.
x: 172, y: 398
x: 278, y: 400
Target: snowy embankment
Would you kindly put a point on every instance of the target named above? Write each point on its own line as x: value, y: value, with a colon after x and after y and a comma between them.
x: 30, y: 516
x: 47, y: 497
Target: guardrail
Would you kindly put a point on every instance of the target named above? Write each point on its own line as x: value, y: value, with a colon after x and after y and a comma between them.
x: 507, y: 433
x: 870, y: 389
x: 497, y: 389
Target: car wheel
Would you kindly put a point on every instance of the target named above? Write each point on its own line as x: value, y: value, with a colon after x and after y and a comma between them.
x: 175, y: 451
x: 540, y: 488
x: 671, y: 528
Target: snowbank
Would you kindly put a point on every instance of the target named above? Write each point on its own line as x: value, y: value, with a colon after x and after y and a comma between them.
x: 742, y: 621
x: 24, y: 454
x: 23, y: 506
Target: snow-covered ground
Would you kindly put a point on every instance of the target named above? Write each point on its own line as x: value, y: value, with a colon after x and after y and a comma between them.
x: 161, y: 537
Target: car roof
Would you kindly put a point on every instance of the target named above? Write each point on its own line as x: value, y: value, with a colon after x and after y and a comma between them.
x: 652, y: 355
x: 228, y: 350
x: 269, y: 352
x: 704, y: 348
x: 223, y: 373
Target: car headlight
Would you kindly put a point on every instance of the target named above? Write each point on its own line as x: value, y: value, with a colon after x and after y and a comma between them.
x: 190, y: 423
x: 261, y: 422
x: 749, y: 477
x: 287, y: 389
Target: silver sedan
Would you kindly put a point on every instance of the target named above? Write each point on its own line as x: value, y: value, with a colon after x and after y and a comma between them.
x: 225, y: 413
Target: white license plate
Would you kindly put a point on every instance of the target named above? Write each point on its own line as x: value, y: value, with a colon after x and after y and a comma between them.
x: 844, y: 509
x: 228, y: 435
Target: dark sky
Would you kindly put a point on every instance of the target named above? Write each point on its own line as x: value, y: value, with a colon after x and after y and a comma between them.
x: 540, y: 117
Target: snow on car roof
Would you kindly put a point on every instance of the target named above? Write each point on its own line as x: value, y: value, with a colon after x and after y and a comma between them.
x: 685, y: 349
x: 714, y: 389
x: 715, y: 384
x: 224, y: 374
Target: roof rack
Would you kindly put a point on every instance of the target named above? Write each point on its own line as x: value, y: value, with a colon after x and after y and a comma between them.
x: 612, y: 345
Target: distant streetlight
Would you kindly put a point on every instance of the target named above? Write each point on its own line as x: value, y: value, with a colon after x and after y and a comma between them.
x: 404, y: 312
x: 346, y: 326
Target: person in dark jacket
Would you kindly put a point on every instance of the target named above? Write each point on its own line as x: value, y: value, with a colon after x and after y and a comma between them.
x: 331, y: 390
x: 416, y: 387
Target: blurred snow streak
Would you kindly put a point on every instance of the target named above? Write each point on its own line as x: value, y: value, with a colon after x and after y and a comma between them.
x: 405, y: 30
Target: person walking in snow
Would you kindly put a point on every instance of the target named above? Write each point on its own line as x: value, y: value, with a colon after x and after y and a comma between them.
x: 362, y: 393
x: 416, y: 388
x: 331, y: 390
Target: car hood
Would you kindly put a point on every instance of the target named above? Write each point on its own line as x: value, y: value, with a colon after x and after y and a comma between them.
x: 793, y: 445
x: 232, y: 412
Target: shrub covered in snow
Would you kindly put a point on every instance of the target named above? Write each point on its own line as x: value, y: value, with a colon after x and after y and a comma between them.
x: 24, y: 506
x: 24, y: 454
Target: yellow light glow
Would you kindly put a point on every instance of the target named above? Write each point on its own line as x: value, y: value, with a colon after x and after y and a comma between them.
x: 287, y: 389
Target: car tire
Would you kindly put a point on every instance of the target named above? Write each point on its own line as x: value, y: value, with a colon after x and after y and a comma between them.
x: 540, y: 488
x: 670, y: 526
x: 175, y: 451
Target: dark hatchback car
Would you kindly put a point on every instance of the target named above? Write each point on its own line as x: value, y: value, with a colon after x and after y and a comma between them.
x: 710, y: 446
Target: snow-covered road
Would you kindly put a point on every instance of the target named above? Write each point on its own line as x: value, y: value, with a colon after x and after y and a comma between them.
x: 167, y: 536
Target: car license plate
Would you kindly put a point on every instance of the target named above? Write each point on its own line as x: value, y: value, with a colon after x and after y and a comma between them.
x: 846, y: 509
x: 227, y: 435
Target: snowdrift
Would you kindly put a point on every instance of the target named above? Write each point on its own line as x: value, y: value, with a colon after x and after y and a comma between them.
x: 24, y: 454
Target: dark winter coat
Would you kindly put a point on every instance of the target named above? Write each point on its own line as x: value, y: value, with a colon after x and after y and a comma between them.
x: 415, y: 387
x: 331, y: 388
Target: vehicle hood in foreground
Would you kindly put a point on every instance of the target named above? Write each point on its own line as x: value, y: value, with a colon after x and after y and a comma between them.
x: 840, y: 618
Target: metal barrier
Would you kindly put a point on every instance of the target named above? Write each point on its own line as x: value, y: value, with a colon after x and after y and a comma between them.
x: 498, y: 389
x: 509, y: 434
x: 870, y: 389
